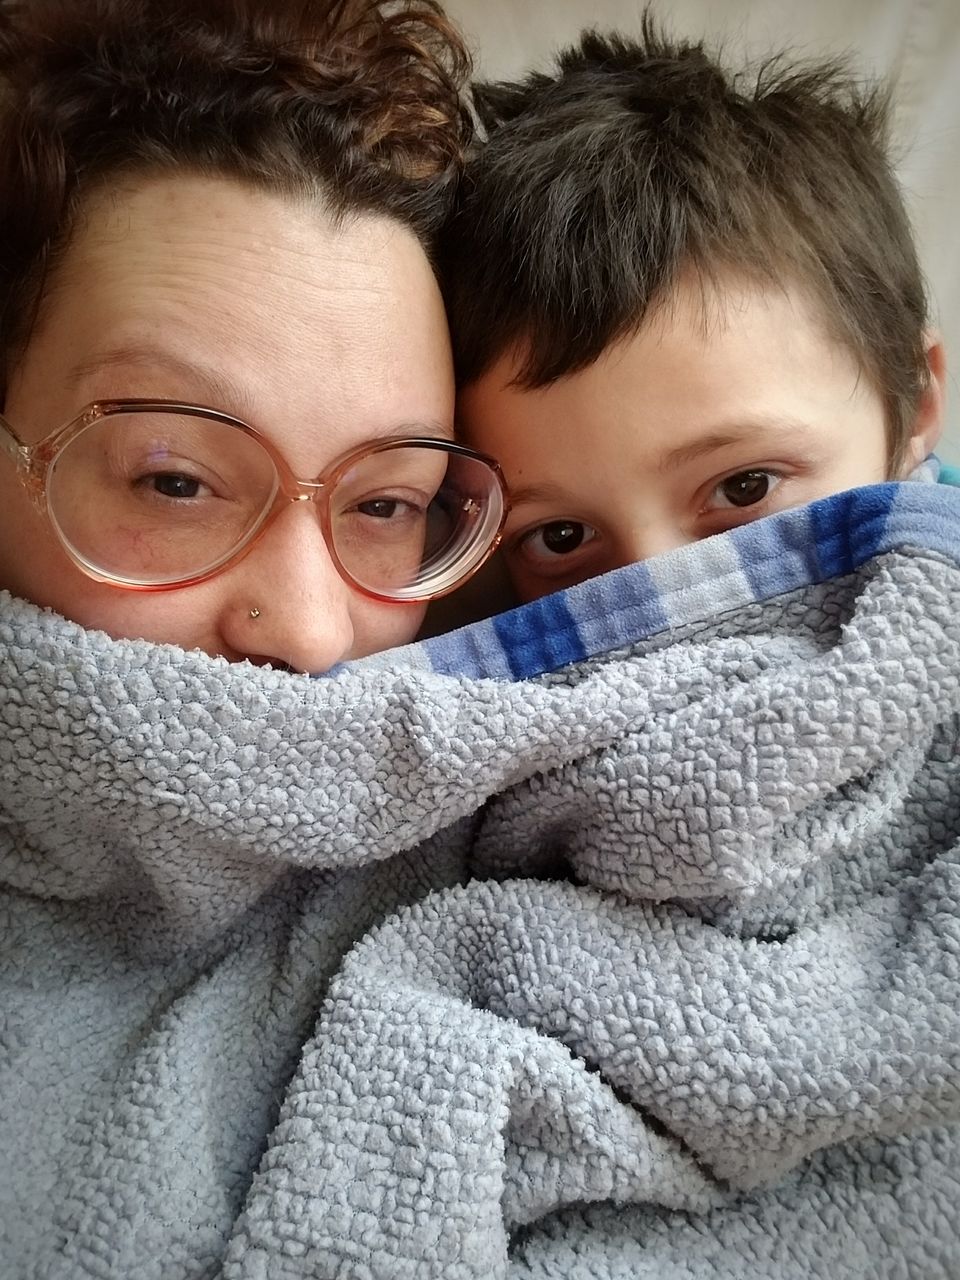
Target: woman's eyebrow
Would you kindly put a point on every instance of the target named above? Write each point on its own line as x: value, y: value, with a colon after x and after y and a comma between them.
x: 215, y: 389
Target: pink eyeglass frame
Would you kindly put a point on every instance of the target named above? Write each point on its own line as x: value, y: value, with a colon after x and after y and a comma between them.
x: 34, y: 462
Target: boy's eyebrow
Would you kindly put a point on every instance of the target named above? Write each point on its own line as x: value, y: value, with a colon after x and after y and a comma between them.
x: 537, y: 493
x: 774, y: 432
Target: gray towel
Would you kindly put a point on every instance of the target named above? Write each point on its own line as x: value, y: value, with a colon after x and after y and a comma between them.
x: 695, y: 1015
x: 718, y: 1035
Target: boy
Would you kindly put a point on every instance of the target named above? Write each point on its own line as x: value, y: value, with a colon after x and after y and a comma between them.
x: 682, y: 300
x: 697, y: 1011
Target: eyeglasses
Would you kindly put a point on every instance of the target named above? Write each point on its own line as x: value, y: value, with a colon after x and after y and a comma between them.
x: 154, y: 494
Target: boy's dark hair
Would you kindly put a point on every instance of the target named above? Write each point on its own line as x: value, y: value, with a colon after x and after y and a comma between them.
x: 357, y: 102
x: 636, y: 161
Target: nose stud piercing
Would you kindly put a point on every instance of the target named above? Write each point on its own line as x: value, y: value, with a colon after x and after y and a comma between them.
x: 254, y: 612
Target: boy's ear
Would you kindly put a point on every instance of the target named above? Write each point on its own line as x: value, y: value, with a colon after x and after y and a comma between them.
x: 928, y: 419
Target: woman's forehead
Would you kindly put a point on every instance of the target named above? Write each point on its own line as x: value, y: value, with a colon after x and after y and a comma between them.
x: 202, y: 288
x: 184, y: 241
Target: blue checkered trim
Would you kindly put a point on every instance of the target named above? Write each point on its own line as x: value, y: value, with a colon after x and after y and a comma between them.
x: 756, y: 562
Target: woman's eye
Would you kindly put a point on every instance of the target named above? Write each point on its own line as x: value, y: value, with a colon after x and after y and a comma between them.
x: 558, y: 538
x: 173, y: 484
x: 744, y: 489
x: 385, y: 508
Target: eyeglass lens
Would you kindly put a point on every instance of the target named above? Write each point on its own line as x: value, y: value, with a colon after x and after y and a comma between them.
x: 151, y: 498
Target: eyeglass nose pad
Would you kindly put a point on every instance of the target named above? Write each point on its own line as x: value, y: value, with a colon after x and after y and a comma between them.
x: 312, y: 492
x: 307, y: 490
x: 33, y: 476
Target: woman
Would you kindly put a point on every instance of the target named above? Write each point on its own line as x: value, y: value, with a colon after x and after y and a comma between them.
x: 233, y: 214
x: 227, y: 407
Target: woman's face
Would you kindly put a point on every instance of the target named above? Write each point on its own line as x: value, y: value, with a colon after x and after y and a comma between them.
x: 323, y: 337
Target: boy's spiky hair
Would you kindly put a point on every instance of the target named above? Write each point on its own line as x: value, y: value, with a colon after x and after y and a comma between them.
x: 635, y: 161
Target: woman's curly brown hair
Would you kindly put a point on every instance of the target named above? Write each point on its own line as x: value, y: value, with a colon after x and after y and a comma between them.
x: 358, y: 102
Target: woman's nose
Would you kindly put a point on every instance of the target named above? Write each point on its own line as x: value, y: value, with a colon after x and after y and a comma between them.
x: 289, y: 605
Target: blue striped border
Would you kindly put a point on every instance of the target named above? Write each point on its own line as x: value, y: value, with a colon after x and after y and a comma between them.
x: 755, y: 562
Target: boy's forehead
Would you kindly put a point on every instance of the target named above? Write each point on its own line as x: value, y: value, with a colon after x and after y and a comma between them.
x: 719, y: 355
x: 705, y: 315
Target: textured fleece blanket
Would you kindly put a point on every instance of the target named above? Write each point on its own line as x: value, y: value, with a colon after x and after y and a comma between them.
x: 697, y: 1014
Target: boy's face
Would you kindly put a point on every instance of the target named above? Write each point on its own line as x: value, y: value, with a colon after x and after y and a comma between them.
x: 719, y: 411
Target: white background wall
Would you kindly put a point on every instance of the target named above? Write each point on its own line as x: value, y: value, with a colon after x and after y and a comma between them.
x: 916, y: 42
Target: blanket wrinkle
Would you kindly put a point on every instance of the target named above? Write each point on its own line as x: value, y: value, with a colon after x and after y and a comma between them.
x: 749, y: 1092
x: 266, y: 789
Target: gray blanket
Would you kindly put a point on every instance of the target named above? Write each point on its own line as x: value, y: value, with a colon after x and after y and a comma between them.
x: 696, y: 1015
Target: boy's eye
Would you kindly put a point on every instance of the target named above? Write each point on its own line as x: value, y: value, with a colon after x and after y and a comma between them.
x: 558, y: 538
x: 744, y: 489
